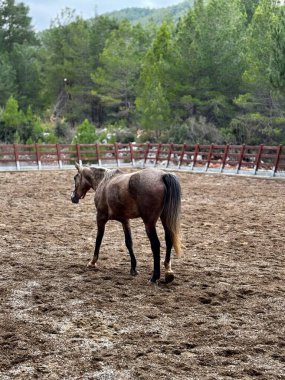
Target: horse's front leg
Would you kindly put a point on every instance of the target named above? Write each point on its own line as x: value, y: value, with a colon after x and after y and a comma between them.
x: 129, y: 245
x: 155, y: 247
x: 101, y: 222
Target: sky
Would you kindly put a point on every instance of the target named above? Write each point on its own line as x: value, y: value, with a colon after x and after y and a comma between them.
x: 43, y: 11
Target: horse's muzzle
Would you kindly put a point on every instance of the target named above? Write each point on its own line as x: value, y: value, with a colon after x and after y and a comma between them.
x: 74, y: 198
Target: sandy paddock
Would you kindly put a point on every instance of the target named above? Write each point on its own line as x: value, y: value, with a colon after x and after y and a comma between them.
x: 222, y: 317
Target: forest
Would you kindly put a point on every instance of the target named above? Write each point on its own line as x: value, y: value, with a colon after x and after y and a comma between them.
x: 214, y: 75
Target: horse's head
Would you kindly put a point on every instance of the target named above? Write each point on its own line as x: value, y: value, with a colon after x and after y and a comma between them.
x: 82, y: 184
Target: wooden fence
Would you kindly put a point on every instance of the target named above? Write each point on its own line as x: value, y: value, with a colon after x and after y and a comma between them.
x: 238, y: 159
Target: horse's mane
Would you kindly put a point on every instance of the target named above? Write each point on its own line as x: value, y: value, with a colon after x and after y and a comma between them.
x: 98, y: 176
x: 110, y: 173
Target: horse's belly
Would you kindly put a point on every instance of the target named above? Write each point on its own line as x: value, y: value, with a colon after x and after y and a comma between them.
x: 123, y: 211
x: 121, y: 205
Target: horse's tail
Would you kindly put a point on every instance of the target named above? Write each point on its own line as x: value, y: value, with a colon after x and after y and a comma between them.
x: 172, y: 209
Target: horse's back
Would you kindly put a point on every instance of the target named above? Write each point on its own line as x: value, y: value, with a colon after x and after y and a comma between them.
x: 132, y: 195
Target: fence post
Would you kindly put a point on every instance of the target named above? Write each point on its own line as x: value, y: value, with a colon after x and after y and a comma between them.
x: 16, y: 155
x: 116, y: 153
x: 98, y: 154
x: 240, y: 158
x: 277, y: 160
x: 38, y: 156
x: 132, y: 154
x: 181, y: 156
x: 170, y: 146
x: 209, y: 157
x: 225, y: 157
x: 58, y: 156
x: 257, y: 159
x: 157, y: 154
x: 146, y: 154
x: 197, y: 148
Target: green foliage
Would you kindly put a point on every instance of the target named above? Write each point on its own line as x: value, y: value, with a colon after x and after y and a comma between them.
x: 196, y: 131
x: 100, y: 30
x: 125, y: 135
x: 116, y: 78
x: 259, y: 45
x: 12, y: 119
x: 17, y: 42
x: 152, y: 102
x: 85, y: 134
x: 15, y: 25
x: 7, y: 79
x: 254, y: 128
x: 277, y: 61
x: 201, y: 71
x: 210, y: 61
x: 66, y: 54
x: 249, y: 8
x: 144, y: 16
x: 27, y: 75
x: 154, y: 109
x: 70, y: 53
x: 16, y: 126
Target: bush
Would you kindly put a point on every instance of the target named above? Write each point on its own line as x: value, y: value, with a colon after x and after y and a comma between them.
x: 195, y: 131
x: 85, y: 134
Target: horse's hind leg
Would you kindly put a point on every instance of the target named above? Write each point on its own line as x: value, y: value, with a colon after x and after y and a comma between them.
x: 155, y: 247
x: 99, y: 237
x: 169, y: 276
x: 129, y: 245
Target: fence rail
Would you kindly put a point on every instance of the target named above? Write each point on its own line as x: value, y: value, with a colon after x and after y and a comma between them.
x: 237, y: 159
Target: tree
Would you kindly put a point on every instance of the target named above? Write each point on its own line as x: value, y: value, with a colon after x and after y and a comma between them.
x: 15, y: 25
x: 155, y: 85
x: 259, y: 45
x: 69, y: 56
x: 16, y: 39
x: 154, y: 110
x: 249, y: 7
x: 100, y: 29
x: 277, y: 61
x: 27, y: 69
x: 12, y: 119
x: 261, y: 117
x: 210, y: 60
x: 66, y: 67
x: 115, y: 79
x: 7, y: 79
x: 85, y: 133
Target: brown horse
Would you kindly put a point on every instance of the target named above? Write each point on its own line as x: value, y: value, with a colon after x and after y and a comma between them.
x: 149, y: 194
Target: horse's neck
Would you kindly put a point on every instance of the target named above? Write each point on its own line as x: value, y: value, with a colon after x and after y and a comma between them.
x: 97, y: 177
x: 102, y: 175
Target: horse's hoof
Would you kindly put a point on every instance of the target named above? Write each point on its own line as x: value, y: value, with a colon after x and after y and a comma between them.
x: 92, y: 265
x: 153, y: 280
x: 134, y: 272
x: 169, y: 277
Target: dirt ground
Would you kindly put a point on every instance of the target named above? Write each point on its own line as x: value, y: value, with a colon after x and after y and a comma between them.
x: 221, y: 318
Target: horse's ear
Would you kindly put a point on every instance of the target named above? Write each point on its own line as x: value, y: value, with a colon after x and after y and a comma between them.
x: 78, y: 167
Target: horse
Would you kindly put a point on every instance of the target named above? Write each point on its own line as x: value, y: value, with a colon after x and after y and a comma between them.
x: 148, y: 194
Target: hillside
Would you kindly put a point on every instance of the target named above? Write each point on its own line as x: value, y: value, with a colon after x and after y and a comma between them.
x: 144, y: 15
